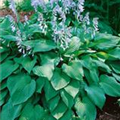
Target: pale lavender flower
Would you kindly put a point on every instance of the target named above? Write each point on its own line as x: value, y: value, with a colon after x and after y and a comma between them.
x: 42, y: 24
x: 95, y: 23
x: 26, y: 18
x: 62, y: 35
x: 86, y: 19
x: 12, y: 6
x: 81, y: 5
x: 67, y: 5
x: 58, y: 10
x: 13, y: 28
x: 53, y: 1
x: 36, y: 3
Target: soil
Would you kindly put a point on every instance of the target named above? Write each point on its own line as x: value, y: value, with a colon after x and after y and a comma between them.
x: 111, y: 110
x: 4, y: 12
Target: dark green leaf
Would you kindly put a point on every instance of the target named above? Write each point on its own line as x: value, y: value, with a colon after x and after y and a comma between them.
x: 96, y: 94
x: 54, y: 102
x: 59, y: 111
x: 21, y: 88
x: 31, y: 112
x: 48, y: 90
x: 110, y: 85
x: 67, y: 115
x: 3, y: 93
x: 115, y: 53
x: 10, y: 111
x: 7, y: 68
x: 39, y: 84
x: 40, y: 45
x: 67, y: 99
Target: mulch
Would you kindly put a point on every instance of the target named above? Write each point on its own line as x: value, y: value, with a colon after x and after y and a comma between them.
x: 111, y: 110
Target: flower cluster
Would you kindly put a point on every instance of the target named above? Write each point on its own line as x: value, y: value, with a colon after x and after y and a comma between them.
x: 36, y: 3
x: 60, y: 11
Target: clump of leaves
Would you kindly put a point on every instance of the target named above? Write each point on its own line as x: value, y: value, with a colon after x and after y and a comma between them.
x: 56, y: 66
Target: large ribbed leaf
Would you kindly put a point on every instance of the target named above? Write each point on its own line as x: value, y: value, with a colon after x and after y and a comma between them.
x: 96, y: 94
x: 21, y: 87
x: 59, y: 79
x: 73, y: 88
x: 59, y: 111
x: 110, y: 85
x: 73, y: 69
x: 50, y: 92
x: 40, y: 45
x: 107, y: 40
x: 85, y: 109
x: 32, y: 112
x: 10, y: 112
x: 67, y: 99
x: 26, y: 62
x: 7, y: 68
x: 53, y: 102
x: 44, y: 70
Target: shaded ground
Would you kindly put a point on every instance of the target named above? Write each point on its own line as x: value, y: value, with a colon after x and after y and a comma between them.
x: 111, y: 110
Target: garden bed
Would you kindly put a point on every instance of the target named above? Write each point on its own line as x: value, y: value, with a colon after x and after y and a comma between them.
x: 111, y: 110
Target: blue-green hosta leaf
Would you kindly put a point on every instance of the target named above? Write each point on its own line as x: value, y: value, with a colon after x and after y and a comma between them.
x: 48, y: 88
x: 102, y: 65
x: 73, y: 45
x: 67, y: 99
x: 31, y: 112
x: 73, y: 88
x: 74, y: 70
x: 59, y: 110
x: 2, y: 102
x: 59, y: 79
x: 7, y: 68
x: 3, y: 85
x: 10, y: 111
x: 3, y: 94
x: 40, y: 45
x: 39, y: 84
x: 107, y: 40
x: 26, y: 62
x: 85, y: 109
x: 49, y: 57
x: 10, y: 37
x: 94, y: 74
x: 96, y: 94
x: 115, y: 66
x: 116, y: 76
x: 110, y: 86
x: 45, y: 70
x: 3, y: 56
x: 21, y: 88
x: 3, y: 49
x: 115, y: 53
x: 67, y: 115
x: 53, y: 102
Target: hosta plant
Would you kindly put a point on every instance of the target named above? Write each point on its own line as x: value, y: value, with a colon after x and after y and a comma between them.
x: 57, y: 65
